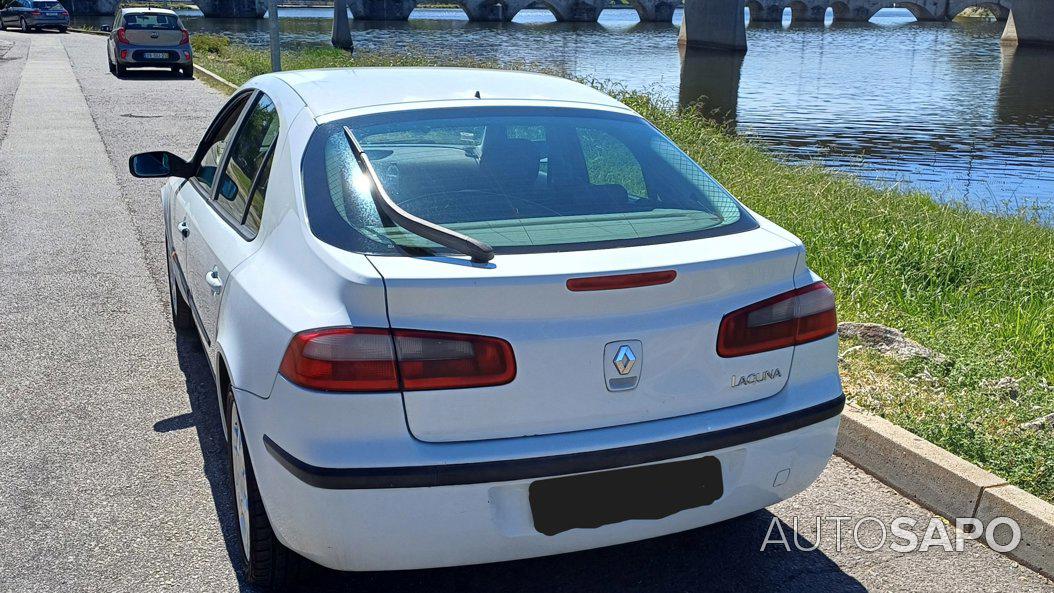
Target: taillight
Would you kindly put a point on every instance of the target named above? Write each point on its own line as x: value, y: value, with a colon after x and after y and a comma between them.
x: 794, y: 317
x: 372, y: 359
x: 34, y: 13
x: 120, y: 35
x: 185, y: 39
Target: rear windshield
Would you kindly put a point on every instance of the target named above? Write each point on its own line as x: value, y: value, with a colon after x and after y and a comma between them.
x: 47, y: 5
x: 522, y: 179
x: 151, y: 21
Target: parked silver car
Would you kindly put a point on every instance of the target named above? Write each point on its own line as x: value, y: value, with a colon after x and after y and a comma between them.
x: 33, y: 15
x: 149, y: 37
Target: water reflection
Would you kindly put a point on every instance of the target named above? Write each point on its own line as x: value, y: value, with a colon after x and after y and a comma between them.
x: 1026, y: 89
x: 710, y: 82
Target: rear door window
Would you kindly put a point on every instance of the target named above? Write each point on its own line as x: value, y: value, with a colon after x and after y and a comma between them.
x: 158, y: 22
x: 245, y: 166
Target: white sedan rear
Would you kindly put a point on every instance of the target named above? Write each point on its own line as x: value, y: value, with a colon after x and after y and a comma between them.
x: 465, y: 316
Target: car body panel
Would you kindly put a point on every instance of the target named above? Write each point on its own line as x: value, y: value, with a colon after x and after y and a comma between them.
x: 285, y: 281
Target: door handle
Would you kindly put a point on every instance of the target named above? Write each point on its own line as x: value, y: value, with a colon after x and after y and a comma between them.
x: 183, y: 228
x: 213, y: 280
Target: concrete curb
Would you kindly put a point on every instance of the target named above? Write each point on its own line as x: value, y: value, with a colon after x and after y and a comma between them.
x: 202, y: 72
x: 947, y: 484
x: 216, y: 78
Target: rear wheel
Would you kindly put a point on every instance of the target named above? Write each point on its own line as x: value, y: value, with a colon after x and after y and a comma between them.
x: 188, y: 71
x: 23, y: 25
x: 121, y: 70
x: 113, y: 69
x: 268, y: 564
x: 62, y: 29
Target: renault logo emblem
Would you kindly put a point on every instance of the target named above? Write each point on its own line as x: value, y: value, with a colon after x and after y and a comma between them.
x: 623, y: 363
x: 624, y: 360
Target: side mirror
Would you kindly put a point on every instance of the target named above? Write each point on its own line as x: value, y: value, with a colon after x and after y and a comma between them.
x: 106, y: 28
x: 158, y: 164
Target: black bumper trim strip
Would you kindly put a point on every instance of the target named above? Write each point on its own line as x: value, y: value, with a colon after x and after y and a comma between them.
x: 508, y: 470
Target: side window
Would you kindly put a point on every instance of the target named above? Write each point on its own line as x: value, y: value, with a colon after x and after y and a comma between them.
x: 245, y: 169
x: 216, y: 144
x: 610, y: 162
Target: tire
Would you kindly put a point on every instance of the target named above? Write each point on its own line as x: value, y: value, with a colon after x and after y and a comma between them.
x: 113, y: 69
x: 182, y: 319
x: 188, y: 72
x: 121, y: 71
x: 268, y: 564
x: 23, y: 25
x: 63, y: 29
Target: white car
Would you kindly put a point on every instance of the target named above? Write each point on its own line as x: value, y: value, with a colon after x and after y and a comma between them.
x: 465, y: 316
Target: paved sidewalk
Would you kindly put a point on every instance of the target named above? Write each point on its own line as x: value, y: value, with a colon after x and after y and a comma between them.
x: 113, y: 470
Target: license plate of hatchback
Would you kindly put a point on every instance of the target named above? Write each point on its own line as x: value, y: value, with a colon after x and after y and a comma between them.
x: 646, y: 492
x: 155, y: 56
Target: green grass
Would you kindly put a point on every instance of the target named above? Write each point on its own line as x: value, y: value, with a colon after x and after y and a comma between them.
x: 975, y: 287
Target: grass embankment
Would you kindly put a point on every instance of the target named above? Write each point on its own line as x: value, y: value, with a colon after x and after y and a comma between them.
x: 977, y: 288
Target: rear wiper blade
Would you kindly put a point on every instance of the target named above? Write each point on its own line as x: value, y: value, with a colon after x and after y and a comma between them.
x: 478, y: 250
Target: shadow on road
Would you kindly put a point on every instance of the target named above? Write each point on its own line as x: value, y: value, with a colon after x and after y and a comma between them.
x: 722, y: 557
x: 151, y: 74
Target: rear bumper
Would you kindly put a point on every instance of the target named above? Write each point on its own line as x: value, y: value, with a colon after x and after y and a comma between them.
x: 48, y: 22
x: 177, y: 56
x: 411, y: 528
x: 457, y: 474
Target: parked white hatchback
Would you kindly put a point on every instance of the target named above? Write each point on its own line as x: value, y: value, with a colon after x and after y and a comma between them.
x: 463, y: 316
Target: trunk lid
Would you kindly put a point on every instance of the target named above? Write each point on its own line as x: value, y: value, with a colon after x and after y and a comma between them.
x: 154, y: 37
x: 566, y: 343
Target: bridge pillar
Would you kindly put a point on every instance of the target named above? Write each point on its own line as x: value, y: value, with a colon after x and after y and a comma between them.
x: 252, y: 9
x: 655, y: 11
x: 382, y: 10
x: 490, y: 11
x: 710, y: 83
x: 1031, y: 22
x: 577, y: 11
x: 714, y: 24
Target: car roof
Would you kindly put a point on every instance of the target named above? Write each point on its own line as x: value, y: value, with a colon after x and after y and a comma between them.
x: 326, y: 91
x: 142, y: 10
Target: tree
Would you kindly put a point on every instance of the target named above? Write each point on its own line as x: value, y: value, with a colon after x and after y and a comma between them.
x: 341, y: 26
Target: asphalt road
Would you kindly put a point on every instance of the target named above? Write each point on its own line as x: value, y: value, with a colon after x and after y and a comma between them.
x: 113, y: 470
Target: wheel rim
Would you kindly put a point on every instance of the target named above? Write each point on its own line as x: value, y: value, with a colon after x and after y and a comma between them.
x: 241, y: 483
x: 23, y: 25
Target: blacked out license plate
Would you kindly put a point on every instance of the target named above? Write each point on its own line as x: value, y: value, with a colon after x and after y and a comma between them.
x: 646, y: 492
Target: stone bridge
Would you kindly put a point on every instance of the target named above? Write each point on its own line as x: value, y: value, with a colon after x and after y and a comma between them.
x: 862, y: 10
x: 718, y: 24
x: 505, y: 10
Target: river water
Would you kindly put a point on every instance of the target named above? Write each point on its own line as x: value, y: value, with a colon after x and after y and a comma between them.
x: 936, y: 106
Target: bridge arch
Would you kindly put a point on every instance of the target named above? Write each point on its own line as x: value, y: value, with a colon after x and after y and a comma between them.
x: 846, y: 10
x: 1001, y: 9
x: 807, y: 12
x: 768, y: 12
x: 575, y: 11
x: 655, y: 11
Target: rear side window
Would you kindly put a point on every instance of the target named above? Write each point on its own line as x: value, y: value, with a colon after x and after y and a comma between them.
x: 523, y: 179
x: 245, y: 167
x: 47, y: 5
x: 157, y: 22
